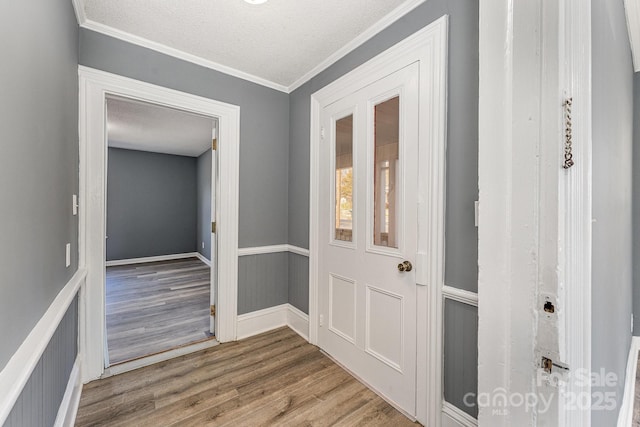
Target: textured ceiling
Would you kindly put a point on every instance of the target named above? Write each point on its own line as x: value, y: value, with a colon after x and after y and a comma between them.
x: 280, y: 41
x: 146, y: 127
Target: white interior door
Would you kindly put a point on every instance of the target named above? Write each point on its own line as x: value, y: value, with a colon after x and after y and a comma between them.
x: 213, y: 245
x: 368, y: 229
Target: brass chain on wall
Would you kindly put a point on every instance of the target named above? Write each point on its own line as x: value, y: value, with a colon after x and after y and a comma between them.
x: 568, y: 149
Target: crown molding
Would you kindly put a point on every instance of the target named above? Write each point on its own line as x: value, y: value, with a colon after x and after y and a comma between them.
x: 376, y: 28
x: 632, y: 11
x: 176, y: 53
x: 78, y: 7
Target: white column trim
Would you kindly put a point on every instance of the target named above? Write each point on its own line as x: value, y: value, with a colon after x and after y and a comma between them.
x: 18, y: 370
x: 509, y: 126
x: 575, y: 211
x: 95, y: 85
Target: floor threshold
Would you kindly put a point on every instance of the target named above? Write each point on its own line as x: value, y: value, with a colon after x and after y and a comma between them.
x: 141, y: 362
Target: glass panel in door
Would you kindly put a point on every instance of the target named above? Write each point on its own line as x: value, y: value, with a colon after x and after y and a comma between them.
x: 386, y: 168
x: 344, y: 179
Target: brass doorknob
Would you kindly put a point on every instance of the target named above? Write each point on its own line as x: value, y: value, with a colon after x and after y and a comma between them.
x: 405, y: 266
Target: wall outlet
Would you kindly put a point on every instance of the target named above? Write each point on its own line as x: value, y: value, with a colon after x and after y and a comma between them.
x: 202, y: 245
x: 68, y: 255
x: 322, y: 320
x: 74, y: 206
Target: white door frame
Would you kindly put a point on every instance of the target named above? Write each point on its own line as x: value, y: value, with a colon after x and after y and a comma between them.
x: 428, y: 47
x: 534, y: 238
x: 95, y: 85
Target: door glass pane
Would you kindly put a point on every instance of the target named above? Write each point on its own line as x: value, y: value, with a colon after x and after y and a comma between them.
x: 386, y: 165
x: 344, y: 179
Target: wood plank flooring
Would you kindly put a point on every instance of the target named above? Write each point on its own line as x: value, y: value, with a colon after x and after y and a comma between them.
x: 275, y: 378
x: 154, y: 307
x: 636, y: 397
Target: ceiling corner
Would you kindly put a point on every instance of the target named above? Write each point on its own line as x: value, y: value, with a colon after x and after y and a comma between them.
x: 78, y: 7
x: 632, y: 10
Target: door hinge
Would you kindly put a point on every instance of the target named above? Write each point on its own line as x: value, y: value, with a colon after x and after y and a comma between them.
x: 322, y: 132
x: 213, y: 310
x: 214, y: 144
x: 213, y: 227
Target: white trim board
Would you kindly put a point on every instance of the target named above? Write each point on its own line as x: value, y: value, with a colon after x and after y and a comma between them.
x: 259, y: 250
x: 625, y: 417
x: 460, y: 295
x: 151, y: 259
x: 71, y: 400
x: 453, y: 416
x: 268, y: 319
x: 202, y: 258
x: 366, y: 35
x: 18, y: 370
x: 94, y: 86
x: 429, y: 47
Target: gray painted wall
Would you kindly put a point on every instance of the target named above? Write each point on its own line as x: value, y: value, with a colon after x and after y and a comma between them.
x: 264, y: 126
x: 462, y: 132
x: 151, y: 204
x: 612, y: 198
x: 262, y: 281
x: 460, y: 368
x: 636, y: 204
x: 39, y: 161
x: 299, y: 282
x: 204, y: 204
x: 40, y: 399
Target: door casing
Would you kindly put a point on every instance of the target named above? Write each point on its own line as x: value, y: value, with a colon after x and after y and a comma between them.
x: 95, y: 86
x: 428, y: 47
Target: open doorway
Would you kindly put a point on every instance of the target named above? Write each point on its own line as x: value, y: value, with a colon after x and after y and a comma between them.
x: 160, y: 246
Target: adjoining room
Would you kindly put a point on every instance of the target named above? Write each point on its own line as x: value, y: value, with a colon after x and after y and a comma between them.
x: 159, y: 240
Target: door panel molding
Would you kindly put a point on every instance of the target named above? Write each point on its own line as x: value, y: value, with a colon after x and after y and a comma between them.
x: 428, y: 47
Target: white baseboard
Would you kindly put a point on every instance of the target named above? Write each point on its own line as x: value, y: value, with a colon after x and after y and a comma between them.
x: 151, y: 259
x: 298, y: 321
x: 203, y: 258
x: 71, y: 400
x: 455, y: 417
x: 260, y: 321
x: 18, y: 370
x: 625, y: 417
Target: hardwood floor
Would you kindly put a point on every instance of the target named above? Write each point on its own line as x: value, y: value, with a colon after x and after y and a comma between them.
x: 636, y: 397
x: 275, y: 378
x: 154, y: 307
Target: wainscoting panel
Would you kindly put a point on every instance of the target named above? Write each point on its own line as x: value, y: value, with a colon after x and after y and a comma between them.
x: 460, y: 368
x: 40, y: 399
x: 262, y: 281
x: 299, y: 281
